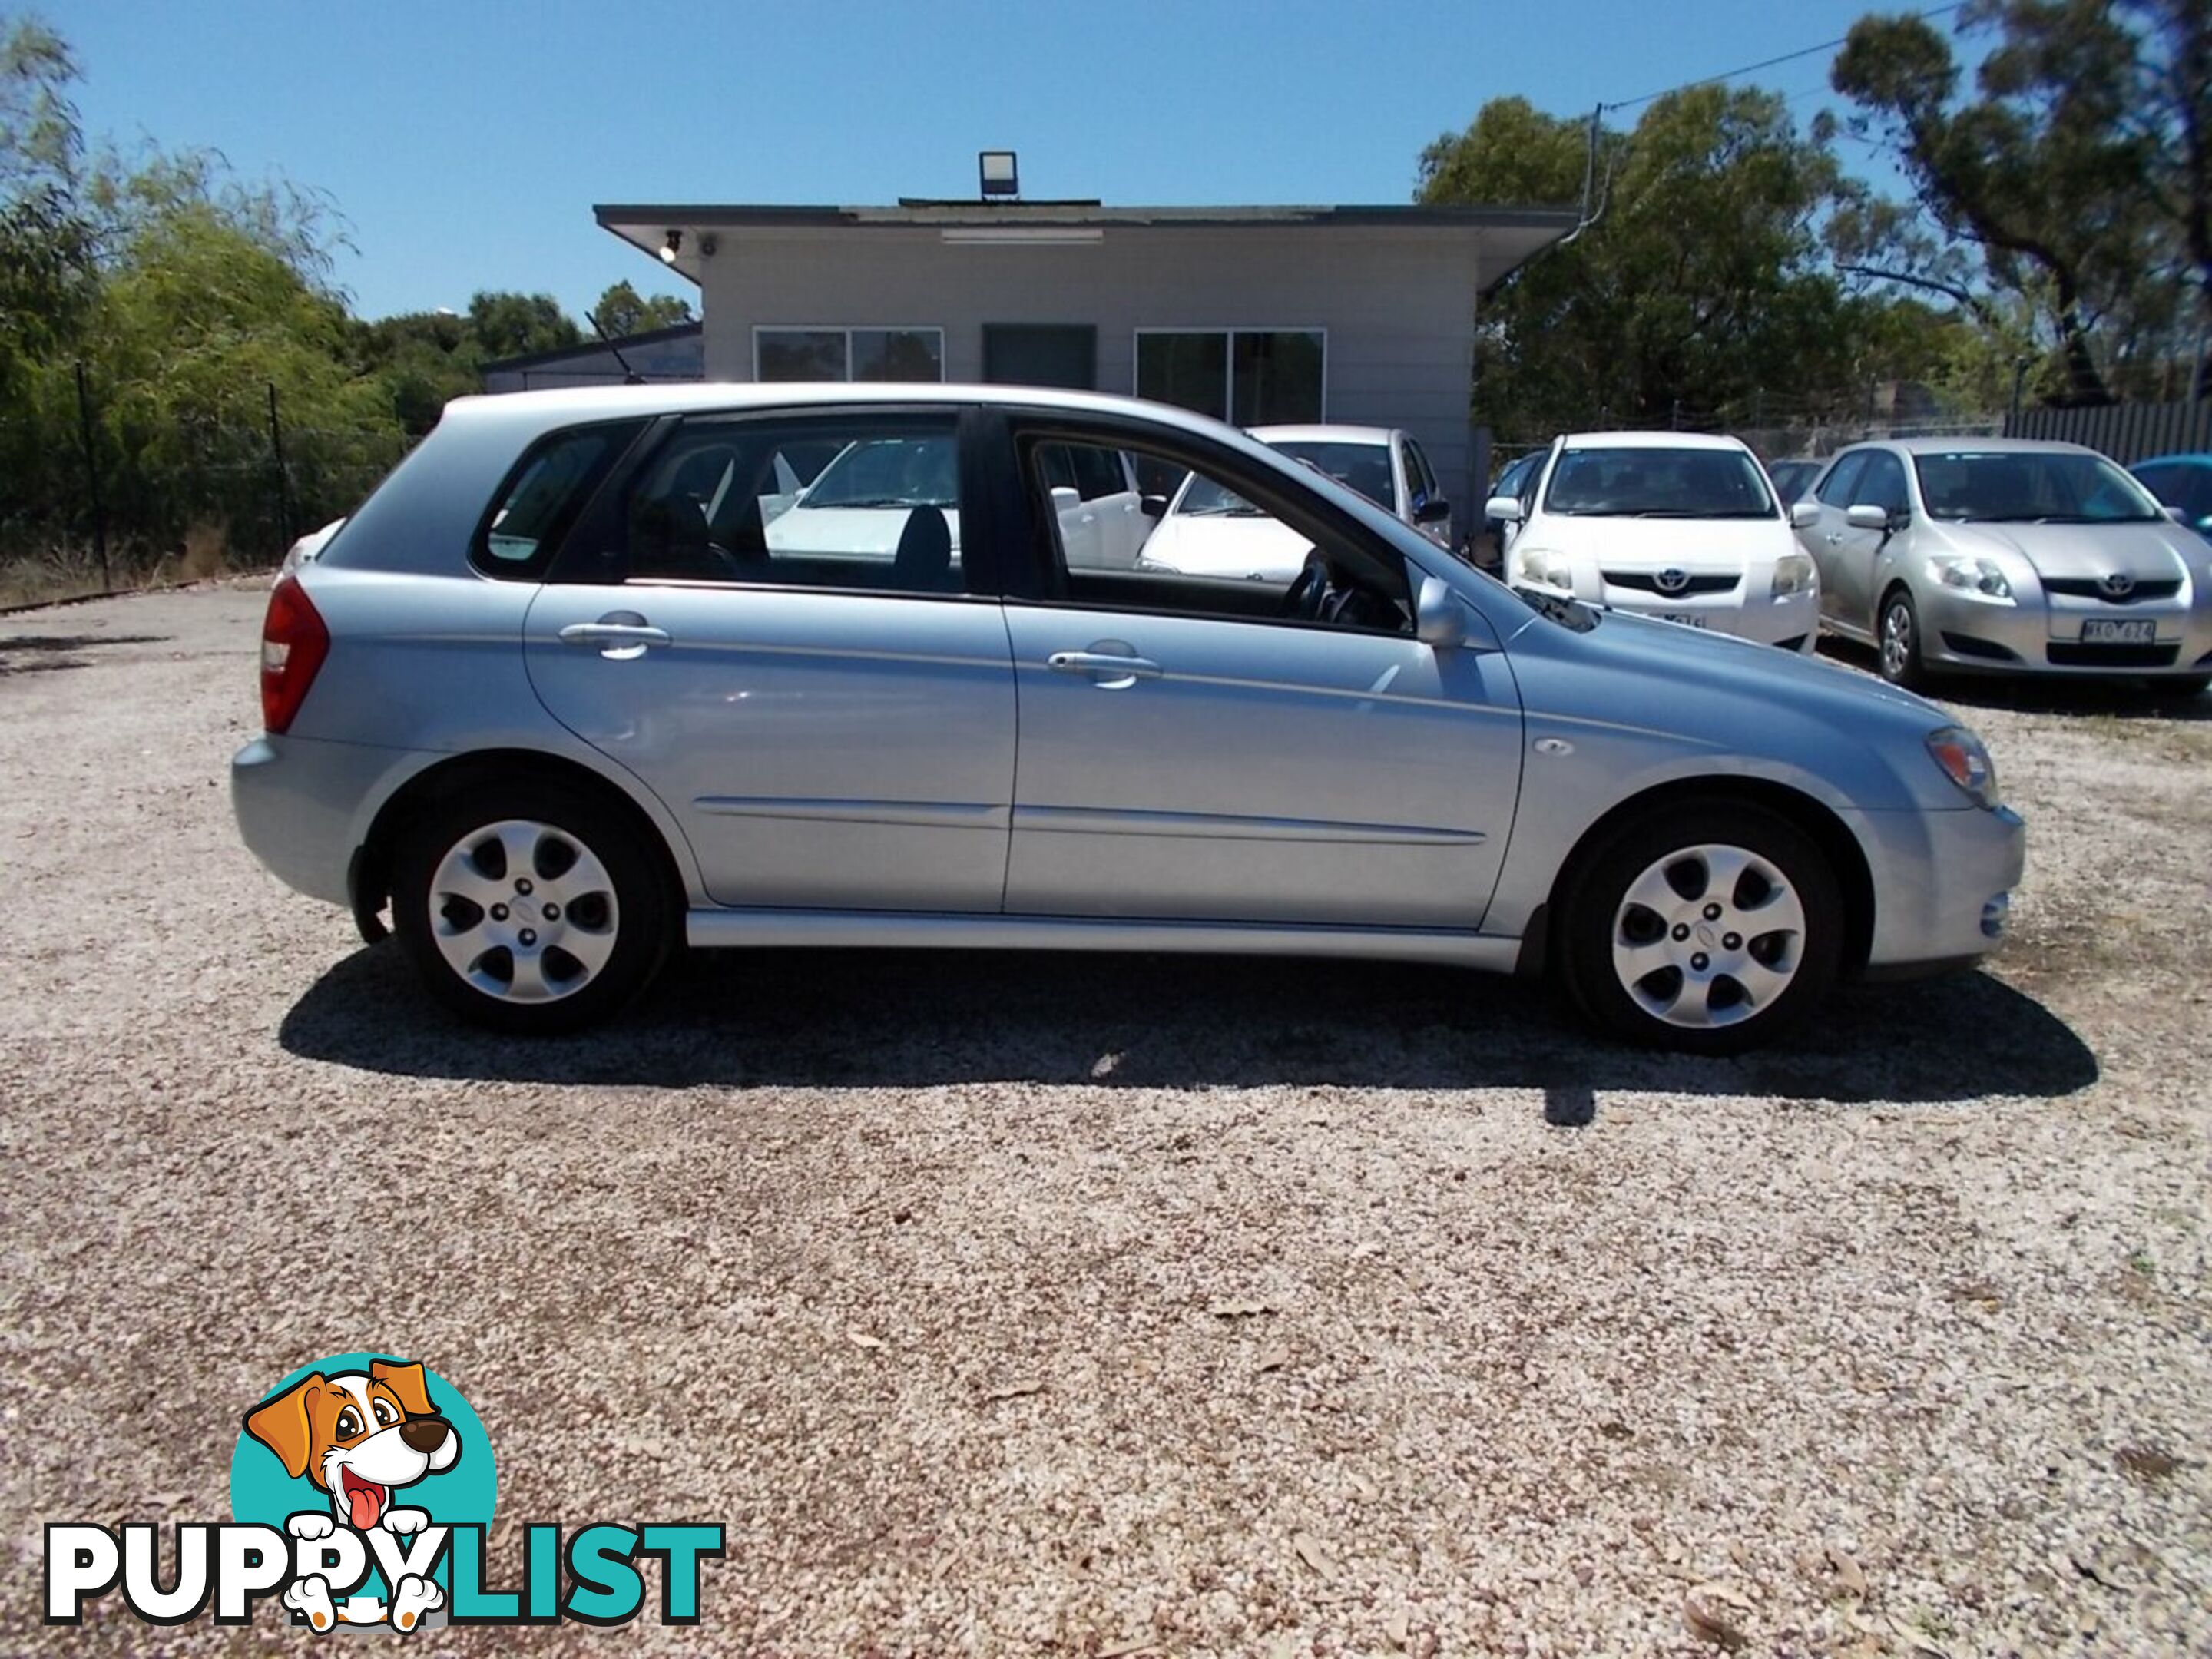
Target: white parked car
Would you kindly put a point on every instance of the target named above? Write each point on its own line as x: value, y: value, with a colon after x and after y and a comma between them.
x: 1209, y: 532
x: 1672, y: 524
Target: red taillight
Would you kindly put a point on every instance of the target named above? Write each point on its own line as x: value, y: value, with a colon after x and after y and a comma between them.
x: 294, y: 643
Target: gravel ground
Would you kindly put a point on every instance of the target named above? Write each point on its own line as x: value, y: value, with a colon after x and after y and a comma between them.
x: 1081, y: 1306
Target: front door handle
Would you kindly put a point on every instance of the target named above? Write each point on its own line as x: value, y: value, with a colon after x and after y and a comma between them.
x: 1110, y: 669
x: 620, y: 636
x: 1834, y: 537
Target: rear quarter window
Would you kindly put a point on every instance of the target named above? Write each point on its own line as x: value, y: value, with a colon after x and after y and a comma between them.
x: 540, y: 498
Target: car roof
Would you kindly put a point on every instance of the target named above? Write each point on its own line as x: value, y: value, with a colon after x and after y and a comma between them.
x: 1965, y: 445
x: 1650, y: 440
x: 524, y: 416
x: 2185, y: 457
x: 1319, y: 435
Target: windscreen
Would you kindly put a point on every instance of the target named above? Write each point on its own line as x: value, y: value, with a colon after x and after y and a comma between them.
x: 1659, y: 483
x: 2028, y: 486
x: 1363, y: 467
x: 889, y: 472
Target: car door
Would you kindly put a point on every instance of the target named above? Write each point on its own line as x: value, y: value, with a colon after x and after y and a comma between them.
x: 1858, y: 552
x: 1824, y: 539
x: 1187, y: 753
x: 832, y: 726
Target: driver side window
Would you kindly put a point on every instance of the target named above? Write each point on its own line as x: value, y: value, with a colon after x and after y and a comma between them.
x: 1208, y: 548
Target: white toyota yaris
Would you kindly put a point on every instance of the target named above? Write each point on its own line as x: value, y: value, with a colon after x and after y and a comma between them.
x: 1672, y: 524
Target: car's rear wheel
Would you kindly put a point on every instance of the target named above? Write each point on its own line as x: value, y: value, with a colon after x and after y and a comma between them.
x: 1708, y: 928
x: 1898, y: 635
x: 530, y: 909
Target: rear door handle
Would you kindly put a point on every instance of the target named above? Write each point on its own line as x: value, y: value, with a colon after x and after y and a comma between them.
x: 620, y: 637
x: 1109, y: 670
x: 1834, y: 537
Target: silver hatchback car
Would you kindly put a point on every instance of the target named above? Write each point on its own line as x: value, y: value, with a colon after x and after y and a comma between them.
x: 1996, y: 556
x: 587, y: 678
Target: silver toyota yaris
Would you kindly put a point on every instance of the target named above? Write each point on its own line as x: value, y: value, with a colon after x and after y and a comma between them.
x: 1994, y: 556
x: 588, y: 676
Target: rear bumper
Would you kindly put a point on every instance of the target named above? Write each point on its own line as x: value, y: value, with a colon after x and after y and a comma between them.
x: 1942, y: 883
x: 304, y: 805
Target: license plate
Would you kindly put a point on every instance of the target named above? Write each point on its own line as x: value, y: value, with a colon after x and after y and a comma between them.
x: 1687, y: 618
x: 2098, y: 630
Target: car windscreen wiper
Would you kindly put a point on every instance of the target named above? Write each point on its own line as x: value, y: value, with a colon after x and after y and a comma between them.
x: 1568, y: 613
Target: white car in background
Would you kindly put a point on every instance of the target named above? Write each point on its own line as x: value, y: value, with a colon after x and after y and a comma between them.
x: 1676, y: 526
x: 1207, y: 531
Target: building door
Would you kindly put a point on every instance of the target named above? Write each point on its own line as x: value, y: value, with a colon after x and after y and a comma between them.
x: 1042, y: 354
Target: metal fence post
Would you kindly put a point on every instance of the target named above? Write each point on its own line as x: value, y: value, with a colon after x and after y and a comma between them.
x: 283, y: 482
x: 92, y: 479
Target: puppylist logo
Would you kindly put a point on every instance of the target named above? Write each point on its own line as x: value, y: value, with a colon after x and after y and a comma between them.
x: 362, y: 1491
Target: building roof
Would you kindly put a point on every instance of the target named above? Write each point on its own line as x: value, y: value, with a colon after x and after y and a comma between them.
x: 1507, y: 235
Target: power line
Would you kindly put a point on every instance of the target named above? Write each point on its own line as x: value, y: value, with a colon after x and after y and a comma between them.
x: 1769, y: 62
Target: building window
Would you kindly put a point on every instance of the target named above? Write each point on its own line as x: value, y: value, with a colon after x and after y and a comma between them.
x: 1247, y: 376
x: 848, y: 353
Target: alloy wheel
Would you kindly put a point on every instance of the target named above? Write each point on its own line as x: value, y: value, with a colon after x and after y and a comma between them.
x: 522, y: 911
x: 1708, y: 936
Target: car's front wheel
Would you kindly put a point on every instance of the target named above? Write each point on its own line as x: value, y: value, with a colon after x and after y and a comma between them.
x: 1710, y: 928
x: 530, y: 909
x: 1897, y: 634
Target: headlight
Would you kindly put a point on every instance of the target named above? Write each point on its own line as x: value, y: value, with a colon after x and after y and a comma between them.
x: 1966, y: 762
x: 1964, y: 573
x: 1546, y: 569
x: 1793, y: 573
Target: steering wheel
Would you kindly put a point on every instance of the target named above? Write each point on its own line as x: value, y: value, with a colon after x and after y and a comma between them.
x: 1309, y: 593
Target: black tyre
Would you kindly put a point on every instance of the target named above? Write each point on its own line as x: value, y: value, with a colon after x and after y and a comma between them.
x: 1897, y: 641
x: 531, y: 907
x: 1708, y: 928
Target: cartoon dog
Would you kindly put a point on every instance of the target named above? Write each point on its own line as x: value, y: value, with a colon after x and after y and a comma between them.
x: 359, y: 1436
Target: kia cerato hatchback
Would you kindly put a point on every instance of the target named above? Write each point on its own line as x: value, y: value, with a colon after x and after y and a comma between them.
x: 580, y: 682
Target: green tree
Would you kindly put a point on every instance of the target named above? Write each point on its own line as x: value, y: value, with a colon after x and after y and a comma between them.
x: 1702, y: 290
x: 621, y: 312
x: 517, y: 324
x: 2071, y: 193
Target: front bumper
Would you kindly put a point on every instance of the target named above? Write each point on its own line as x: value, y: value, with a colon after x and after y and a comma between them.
x: 2042, y: 634
x: 303, y: 805
x: 1793, y: 621
x: 1942, y: 882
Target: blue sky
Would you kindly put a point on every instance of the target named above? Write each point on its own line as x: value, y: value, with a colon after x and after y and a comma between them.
x: 466, y: 141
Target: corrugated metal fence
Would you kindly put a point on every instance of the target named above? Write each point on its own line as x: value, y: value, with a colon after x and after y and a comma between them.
x: 2127, y: 432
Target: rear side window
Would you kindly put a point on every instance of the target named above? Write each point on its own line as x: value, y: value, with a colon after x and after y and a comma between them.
x: 540, y: 498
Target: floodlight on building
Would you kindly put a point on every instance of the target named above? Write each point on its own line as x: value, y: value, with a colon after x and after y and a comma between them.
x: 672, y: 247
x: 995, y: 171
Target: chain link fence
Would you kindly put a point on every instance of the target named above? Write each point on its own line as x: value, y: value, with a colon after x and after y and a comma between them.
x: 113, y: 499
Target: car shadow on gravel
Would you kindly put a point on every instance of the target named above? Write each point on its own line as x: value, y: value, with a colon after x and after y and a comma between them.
x: 48, y: 654
x: 908, y: 1019
x: 2029, y: 694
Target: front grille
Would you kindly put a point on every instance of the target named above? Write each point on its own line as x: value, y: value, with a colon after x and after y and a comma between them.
x: 2071, y: 653
x: 1965, y: 645
x: 1646, y: 581
x: 2089, y: 587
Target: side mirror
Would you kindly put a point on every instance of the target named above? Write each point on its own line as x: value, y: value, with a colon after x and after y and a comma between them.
x: 1065, y: 500
x: 1506, y: 509
x: 1865, y: 515
x: 1803, y: 515
x: 1153, y: 506
x: 2179, y: 514
x: 1438, y: 620
x: 1435, y: 510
